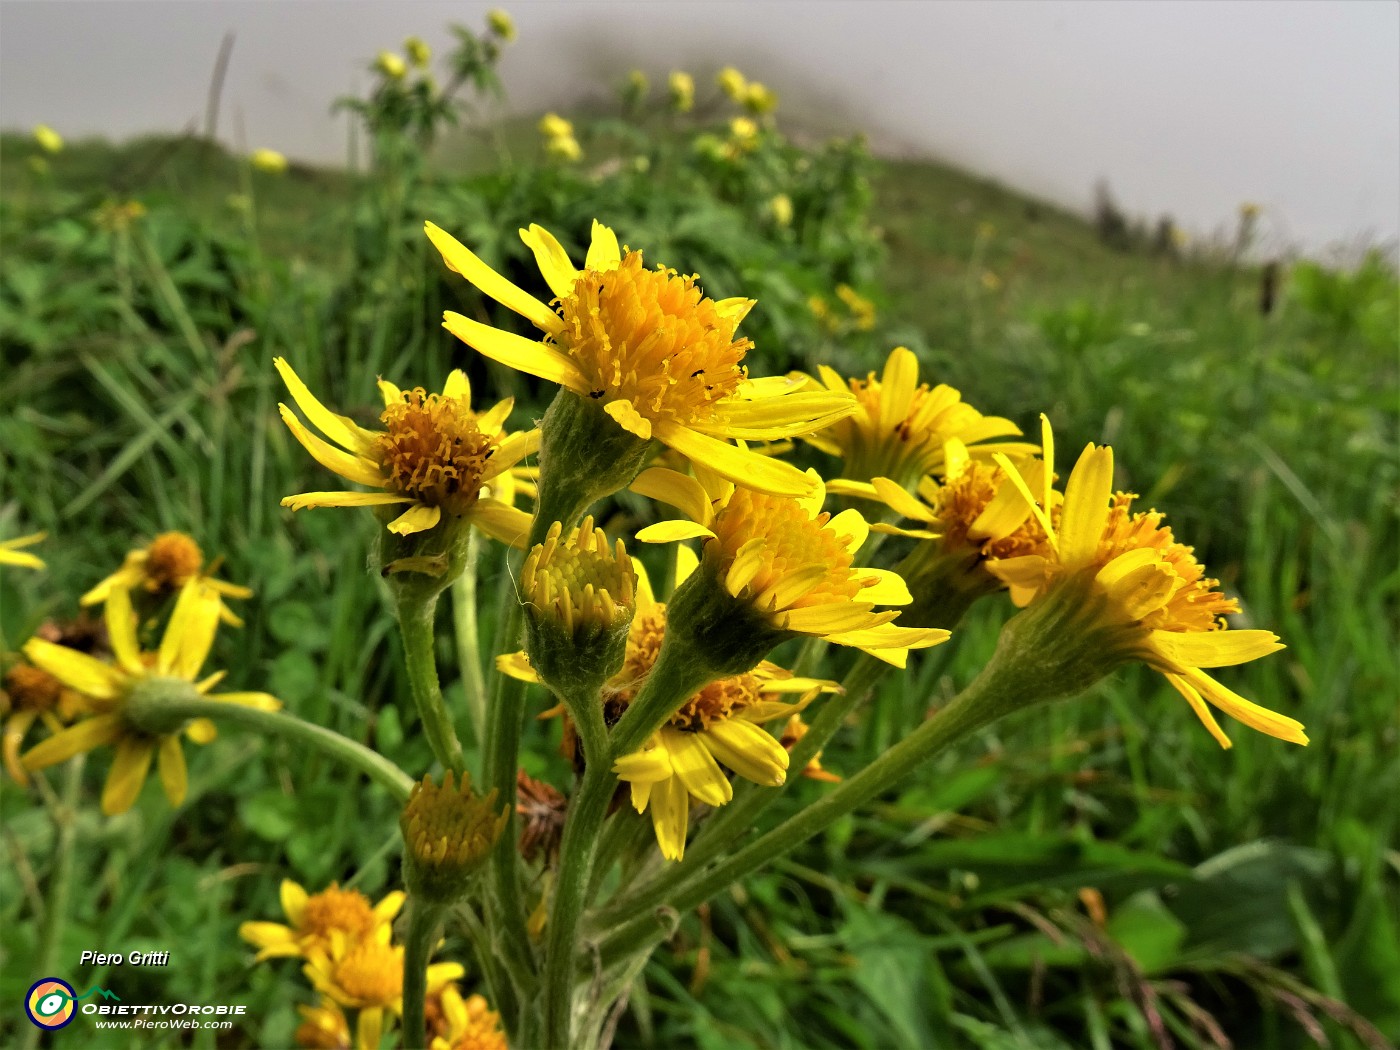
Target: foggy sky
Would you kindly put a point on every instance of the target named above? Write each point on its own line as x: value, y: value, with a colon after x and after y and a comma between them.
x: 1184, y: 107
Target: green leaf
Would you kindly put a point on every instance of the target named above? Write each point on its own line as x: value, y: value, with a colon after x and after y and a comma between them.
x: 1147, y: 931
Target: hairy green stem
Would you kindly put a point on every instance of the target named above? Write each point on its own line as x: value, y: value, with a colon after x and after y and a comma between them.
x: 424, y: 923
x: 468, y: 636
x: 415, y: 614
x: 290, y: 728
x: 586, y: 812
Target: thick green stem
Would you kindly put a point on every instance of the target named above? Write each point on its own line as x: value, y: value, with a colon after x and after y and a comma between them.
x: 60, y: 883
x: 468, y: 636
x: 274, y: 723
x: 424, y: 924
x: 415, y: 615
x: 994, y: 693
x: 750, y: 801
x: 586, y: 812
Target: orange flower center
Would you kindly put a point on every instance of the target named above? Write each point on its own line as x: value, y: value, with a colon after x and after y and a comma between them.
x: 962, y: 499
x: 434, y: 451
x: 172, y: 560
x: 371, y: 973
x: 336, y: 909
x: 794, y: 543
x: 651, y: 337
x: 32, y: 689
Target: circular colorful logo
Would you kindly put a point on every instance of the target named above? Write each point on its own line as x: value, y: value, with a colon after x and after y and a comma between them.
x: 49, y: 1003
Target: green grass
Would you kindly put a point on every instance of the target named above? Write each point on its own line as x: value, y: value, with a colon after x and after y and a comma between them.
x: 1253, y: 887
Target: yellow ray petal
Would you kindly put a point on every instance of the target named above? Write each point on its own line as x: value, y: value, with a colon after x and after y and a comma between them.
x: 1251, y: 714
x: 350, y: 467
x: 603, y: 251
x: 339, y: 429
x: 501, y: 522
x: 465, y: 262
x: 696, y: 768
x: 670, y: 816
x: 1014, y: 476
x: 833, y: 617
x: 554, y: 263
x: 686, y: 563
x: 679, y: 490
x: 1202, y: 711
x: 202, y: 731
x: 458, y: 386
x: 511, y: 451
x: 1086, y: 507
x: 120, y: 620
x: 76, y: 670
x: 491, y: 421
x: 852, y: 525
x: 294, y: 900
x: 128, y: 774
x: 189, y: 634
x: 778, y: 417
x: 670, y: 531
x: 515, y: 351
x: 742, y: 467
x: 1214, y: 648
x: 517, y: 665
x: 748, y: 750
x: 418, y: 518
x: 889, y: 588
x: 625, y: 414
x: 648, y: 766
x: 261, y: 701
x: 390, y: 392
x: 342, y: 498
x: 897, y: 498
x: 897, y: 385
x: 86, y: 735
x: 369, y: 1028
x: 170, y: 764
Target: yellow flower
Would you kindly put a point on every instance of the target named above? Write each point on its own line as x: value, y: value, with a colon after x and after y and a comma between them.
x: 637, y: 85
x: 759, y: 99
x: 419, y: 53
x: 366, y: 974
x: 901, y: 427
x: 435, y: 454
x: 323, y: 1027
x: 268, y: 161
x: 780, y: 207
x: 501, y: 24
x: 788, y: 562
x: 743, y: 129
x: 313, y: 917
x: 564, y: 147
x: 391, y: 65
x: 162, y: 568
x: 793, y: 732
x: 682, y: 88
x: 111, y: 689
x: 31, y: 694
x: 660, y: 358
x: 862, y: 309
x: 1150, y: 586
x: 553, y: 126
x: 12, y: 554
x: 49, y: 140
x: 463, y: 1024
x: 732, y: 83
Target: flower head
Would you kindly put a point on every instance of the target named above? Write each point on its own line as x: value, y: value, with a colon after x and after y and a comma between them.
x: 312, y: 918
x: 268, y: 161
x: 162, y: 568
x: 501, y: 24
x: 553, y: 126
x: 463, y: 1024
x: 29, y: 694
x: 783, y: 566
x: 117, y: 691
x: 323, y: 1027
x: 419, y: 53
x: 434, y: 454
x: 759, y: 98
x: 902, y: 426
x: 1143, y: 587
x: 682, y: 91
x: 732, y: 83
x: 49, y: 140
x: 780, y: 207
x: 391, y: 65
x: 448, y: 832
x: 661, y: 359
x: 12, y: 551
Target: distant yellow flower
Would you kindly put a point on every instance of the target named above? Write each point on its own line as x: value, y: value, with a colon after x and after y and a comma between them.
x: 501, y: 24
x: 759, y: 99
x: 313, y: 917
x: 788, y: 561
x: 391, y: 65
x: 366, y: 974
x: 637, y: 85
x: 1145, y: 584
x: 682, y: 89
x: 464, y: 1024
x: 743, y: 129
x: 419, y: 53
x: 564, y: 147
x: 323, y: 1027
x: 28, y: 695
x: 11, y: 552
x: 162, y: 568
x: 117, y: 216
x: 862, y: 309
x: 780, y: 207
x: 793, y: 732
x: 553, y: 126
x: 435, y: 454
x: 110, y: 689
x: 49, y: 140
x: 902, y: 426
x: 660, y: 359
x: 269, y: 161
x: 732, y: 83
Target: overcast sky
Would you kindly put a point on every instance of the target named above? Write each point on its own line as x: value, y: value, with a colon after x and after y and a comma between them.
x: 1183, y: 107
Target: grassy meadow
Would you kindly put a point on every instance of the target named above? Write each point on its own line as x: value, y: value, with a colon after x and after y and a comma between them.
x: 1094, y: 873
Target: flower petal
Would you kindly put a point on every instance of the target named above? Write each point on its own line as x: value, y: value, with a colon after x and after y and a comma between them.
x: 76, y: 670
x: 189, y: 633
x: 350, y: 467
x: 515, y: 351
x: 517, y: 665
x: 294, y: 900
x: 742, y: 467
x: 603, y: 251
x: 170, y: 764
x: 501, y: 522
x: 465, y: 262
x: 86, y: 735
x: 1202, y: 711
x: 1086, y: 506
x: 1251, y: 714
x: 339, y: 429
x: 418, y: 518
x: 749, y: 751
x: 679, y: 490
x: 120, y: 620
x: 554, y: 263
x: 697, y: 768
x: 778, y: 417
x: 625, y: 415
x: 1214, y: 648
x: 127, y: 775
x: 342, y: 498
x: 670, y: 531
x: 670, y: 816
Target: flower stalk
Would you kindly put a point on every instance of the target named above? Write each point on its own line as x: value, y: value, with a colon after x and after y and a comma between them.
x: 424, y: 926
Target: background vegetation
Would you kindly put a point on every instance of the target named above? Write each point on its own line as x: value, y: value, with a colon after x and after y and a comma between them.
x: 1098, y: 873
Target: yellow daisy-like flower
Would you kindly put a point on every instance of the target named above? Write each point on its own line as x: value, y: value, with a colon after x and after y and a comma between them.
x: 366, y: 974
x: 49, y: 140
x: 162, y: 568
x: 435, y: 454
x: 323, y: 1027
x: 311, y: 918
x: 30, y: 694
x: 501, y: 24
x: 109, y: 689
x: 553, y: 126
x: 563, y: 147
x: 682, y: 91
x: 455, y: 1023
x: 12, y: 552
x: 268, y: 161
x: 788, y: 561
x: 1152, y: 587
x: 391, y: 65
x: 660, y: 358
x: 732, y: 83
x: 901, y: 427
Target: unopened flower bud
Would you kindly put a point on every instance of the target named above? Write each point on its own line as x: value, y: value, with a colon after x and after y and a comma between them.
x: 448, y: 832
